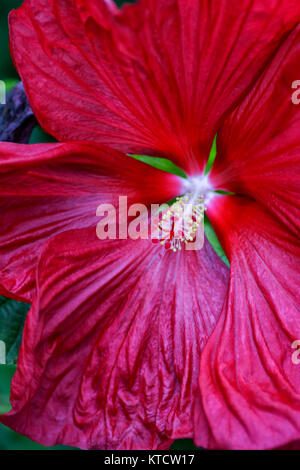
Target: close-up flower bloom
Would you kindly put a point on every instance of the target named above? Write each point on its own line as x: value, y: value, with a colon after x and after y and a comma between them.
x: 129, y: 344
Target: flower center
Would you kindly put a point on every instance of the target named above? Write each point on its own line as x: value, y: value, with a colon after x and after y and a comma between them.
x: 181, y: 222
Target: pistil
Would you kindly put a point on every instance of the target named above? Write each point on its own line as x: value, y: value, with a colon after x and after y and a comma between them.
x: 179, y: 224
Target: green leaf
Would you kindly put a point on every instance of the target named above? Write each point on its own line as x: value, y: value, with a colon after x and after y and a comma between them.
x: 161, y: 163
x: 168, y: 166
x: 212, y: 156
x: 12, y: 318
x: 184, y: 444
x: 39, y: 136
x: 6, y: 374
x: 214, y: 241
x: 121, y: 2
x: 10, y: 83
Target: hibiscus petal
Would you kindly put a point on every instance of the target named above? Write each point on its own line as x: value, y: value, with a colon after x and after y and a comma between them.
x: 46, y: 189
x: 111, y: 346
x: 249, y: 382
x: 259, y: 144
x: 154, y: 78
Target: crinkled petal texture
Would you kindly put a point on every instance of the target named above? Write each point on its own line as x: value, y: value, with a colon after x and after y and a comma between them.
x: 248, y: 380
x: 47, y: 189
x: 111, y: 348
x: 250, y: 385
x: 153, y: 78
x: 259, y: 144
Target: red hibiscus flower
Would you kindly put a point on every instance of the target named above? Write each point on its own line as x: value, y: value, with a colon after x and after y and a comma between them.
x: 128, y: 345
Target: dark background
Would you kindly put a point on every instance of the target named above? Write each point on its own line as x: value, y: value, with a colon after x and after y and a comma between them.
x: 7, y: 69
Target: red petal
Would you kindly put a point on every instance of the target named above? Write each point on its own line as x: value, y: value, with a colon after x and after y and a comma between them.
x: 46, y: 189
x: 155, y: 78
x: 110, y: 353
x: 249, y: 383
x: 259, y: 145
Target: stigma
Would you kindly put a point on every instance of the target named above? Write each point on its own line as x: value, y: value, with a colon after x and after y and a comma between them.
x: 180, y: 223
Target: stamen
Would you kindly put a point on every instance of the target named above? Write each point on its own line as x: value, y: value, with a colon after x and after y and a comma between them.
x: 179, y: 223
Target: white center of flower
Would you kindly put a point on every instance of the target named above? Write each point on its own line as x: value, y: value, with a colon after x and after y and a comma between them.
x: 199, y: 186
x: 180, y: 222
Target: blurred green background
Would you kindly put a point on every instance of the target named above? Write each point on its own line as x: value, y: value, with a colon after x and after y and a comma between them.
x: 7, y: 69
x: 11, y: 331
